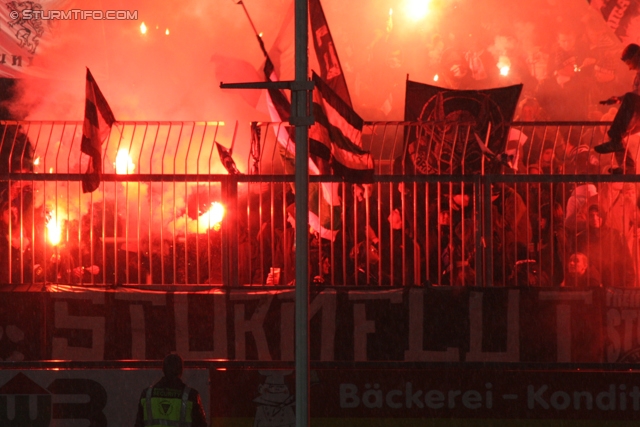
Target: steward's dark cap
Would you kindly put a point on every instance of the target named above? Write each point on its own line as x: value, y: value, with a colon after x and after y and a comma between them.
x: 172, y: 366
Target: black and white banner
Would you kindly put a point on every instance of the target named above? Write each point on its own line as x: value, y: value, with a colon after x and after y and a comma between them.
x: 407, y: 325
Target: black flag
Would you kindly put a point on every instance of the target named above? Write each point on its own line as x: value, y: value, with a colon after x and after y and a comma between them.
x: 98, y: 120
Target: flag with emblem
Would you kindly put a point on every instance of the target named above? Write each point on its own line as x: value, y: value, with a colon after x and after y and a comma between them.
x: 98, y: 119
x: 459, y: 128
x: 330, y: 68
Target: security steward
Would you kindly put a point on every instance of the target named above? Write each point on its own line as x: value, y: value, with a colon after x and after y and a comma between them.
x: 170, y: 402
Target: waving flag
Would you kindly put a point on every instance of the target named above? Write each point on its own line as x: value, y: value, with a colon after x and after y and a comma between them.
x: 324, y: 200
x: 455, y: 124
x: 226, y: 159
x: 336, y: 134
x: 98, y: 120
x: 335, y: 139
x: 330, y: 68
x: 622, y: 17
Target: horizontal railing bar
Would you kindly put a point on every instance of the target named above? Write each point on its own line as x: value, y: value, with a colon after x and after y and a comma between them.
x: 366, y: 123
x: 255, y: 364
x: 149, y: 177
x: 582, y: 178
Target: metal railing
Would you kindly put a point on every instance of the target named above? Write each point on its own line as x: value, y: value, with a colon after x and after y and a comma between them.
x: 444, y: 207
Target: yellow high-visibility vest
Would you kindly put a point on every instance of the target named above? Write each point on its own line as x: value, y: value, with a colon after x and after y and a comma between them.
x: 163, y: 411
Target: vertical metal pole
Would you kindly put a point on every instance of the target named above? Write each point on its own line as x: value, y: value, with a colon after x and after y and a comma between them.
x: 488, y: 231
x: 229, y: 233
x: 299, y: 105
x: 478, y: 213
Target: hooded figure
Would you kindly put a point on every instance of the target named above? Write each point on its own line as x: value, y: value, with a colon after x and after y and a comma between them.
x: 606, y: 250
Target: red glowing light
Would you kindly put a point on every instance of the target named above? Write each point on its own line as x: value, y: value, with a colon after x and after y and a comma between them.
x: 123, y: 164
x: 212, y: 218
x: 54, y: 228
x: 417, y: 9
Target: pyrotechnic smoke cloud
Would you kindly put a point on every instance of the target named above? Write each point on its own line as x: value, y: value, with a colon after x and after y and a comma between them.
x: 172, y: 72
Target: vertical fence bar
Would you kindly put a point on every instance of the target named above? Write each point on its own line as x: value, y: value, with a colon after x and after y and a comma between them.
x: 121, y: 255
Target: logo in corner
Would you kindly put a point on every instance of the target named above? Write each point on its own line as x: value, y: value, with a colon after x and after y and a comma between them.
x: 22, y: 388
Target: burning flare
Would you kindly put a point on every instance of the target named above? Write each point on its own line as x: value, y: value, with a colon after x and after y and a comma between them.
x: 143, y: 28
x: 212, y: 218
x: 417, y: 9
x: 54, y: 229
x: 504, y: 64
x: 123, y: 164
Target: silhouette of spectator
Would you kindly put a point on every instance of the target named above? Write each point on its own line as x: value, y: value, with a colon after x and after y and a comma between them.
x: 579, y: 273
x: 323, y: 276
x: 626, y: 121
x: 455, y: 71
x: 571, y: 56
x: 606, y: 250
x: 481, y: 63
x: 16, y: 227
x: 362, y: 213
x: 450, y: 224
x: 440, y: 246
x: 511, y: 231
x: 576, y: 208
x: 85, y: 249
x: 161, y: 264
x: 402, y: 269
x: 284, y: 256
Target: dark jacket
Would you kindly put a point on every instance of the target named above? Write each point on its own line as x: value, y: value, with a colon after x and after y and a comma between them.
x: 609, y: 254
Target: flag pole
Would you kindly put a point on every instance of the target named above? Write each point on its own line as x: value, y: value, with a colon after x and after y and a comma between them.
x: 300, y: 102
x: 301, y: 119
x: 233, y: 140
x: 255, y: 31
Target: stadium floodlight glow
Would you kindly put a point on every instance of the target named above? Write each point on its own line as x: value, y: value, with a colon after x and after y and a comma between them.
x: 417, y: 9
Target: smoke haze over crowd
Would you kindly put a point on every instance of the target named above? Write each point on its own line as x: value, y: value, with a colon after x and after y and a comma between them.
x: 173, y: 71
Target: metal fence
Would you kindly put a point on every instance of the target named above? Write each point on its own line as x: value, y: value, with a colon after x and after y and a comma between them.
x: 442, y: 208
